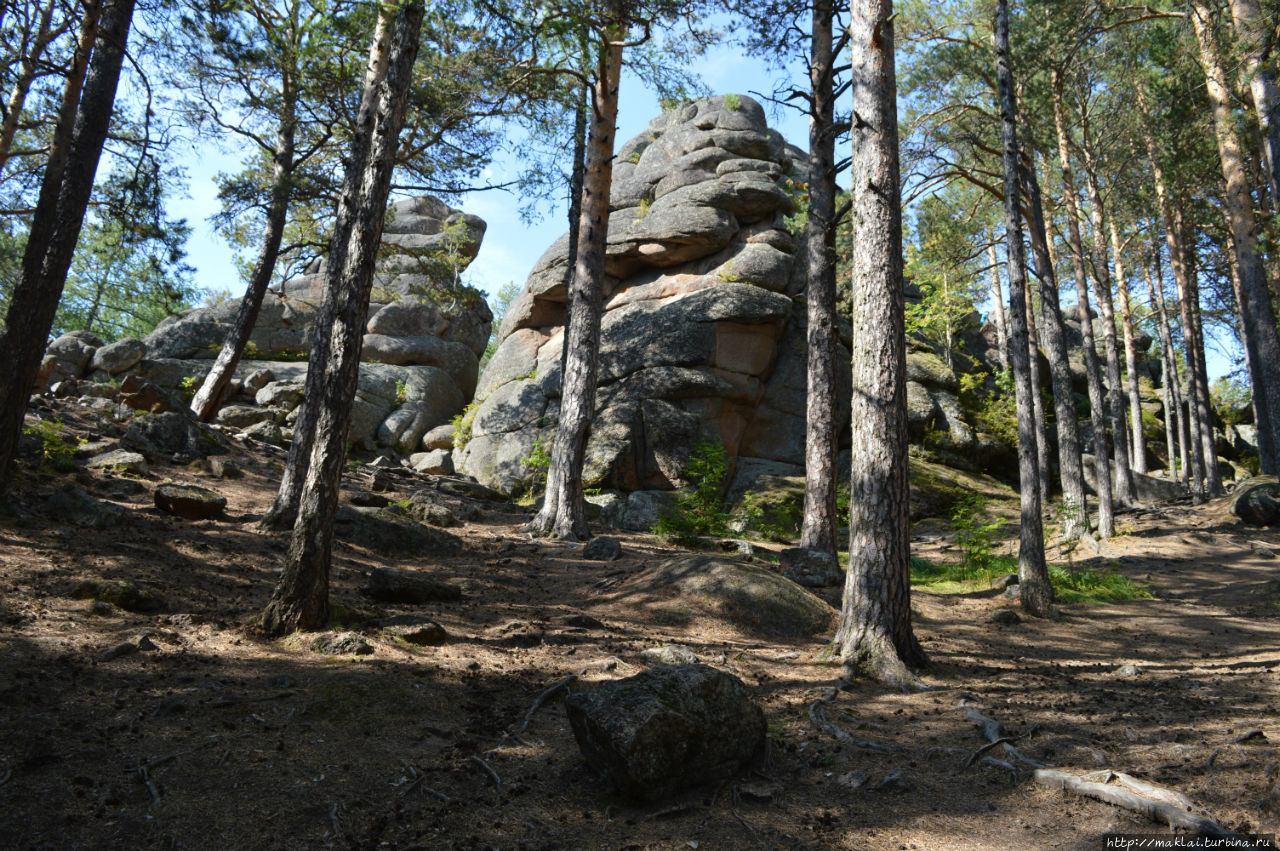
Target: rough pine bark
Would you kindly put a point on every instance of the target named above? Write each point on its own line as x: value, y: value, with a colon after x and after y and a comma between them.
x: 1256, y: 310
x: 563, y: 514
x: 1070, y: 469
x: 1137, y: 443
x: 1043, y: 467
x: 284, y: 509
x: 55, y: 226
x: 1092, y: 366
x: 208, y: 398
x: 875, y: 634
x: 1033, y: 574
x: 301, y: 599
x: 818, y: 528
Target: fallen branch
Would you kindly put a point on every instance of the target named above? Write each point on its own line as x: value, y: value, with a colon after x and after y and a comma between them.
x: 991, y: 732
x: 1160, y: 812
x: 540, y: 700
x: 1141, y: 787
x: 493, y: 775
x: 818, y: 715
x: 982, y: 750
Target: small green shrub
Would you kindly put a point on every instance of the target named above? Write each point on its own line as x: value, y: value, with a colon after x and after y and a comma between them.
x: 642, y: 209
x: 402, y: 392
x: 699, y: 509
x: 537, y: 463
x: 634, y: 157
x: 188, y: 386
x: 56, y: 450
x: 732, y: 102
x: 462, y: 425
x: 975, y: 534
x: 1088, y: 585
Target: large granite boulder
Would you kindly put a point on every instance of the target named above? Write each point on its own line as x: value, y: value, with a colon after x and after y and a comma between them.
x: 703, y: 332
x: 668, y: 728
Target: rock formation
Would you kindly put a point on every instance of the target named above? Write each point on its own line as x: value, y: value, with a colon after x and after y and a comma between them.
x: 424, y: 339
x: 703, y: 329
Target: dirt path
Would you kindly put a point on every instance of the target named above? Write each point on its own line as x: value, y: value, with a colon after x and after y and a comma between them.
x: 220, y: 739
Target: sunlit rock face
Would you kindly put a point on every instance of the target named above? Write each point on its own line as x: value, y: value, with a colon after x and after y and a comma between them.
x: 703, y: 333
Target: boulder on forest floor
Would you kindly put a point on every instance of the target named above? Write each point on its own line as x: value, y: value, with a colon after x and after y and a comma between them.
x: 190, y: 502
x: 1256, y: 501
x: 666, y: 729
x: 751, y: 598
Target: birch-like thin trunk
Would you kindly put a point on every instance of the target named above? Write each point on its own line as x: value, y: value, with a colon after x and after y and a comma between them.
x: 1092, y: 366
x: 55, y: 226
x: 875, y: 632
x: 208, y: 398
x: 1106, y: 312
x: 563, y: 514
x: 818, y: 528
x: 284, y: 509
x: 1256, y: 308
x: 1137, y: 443
x: 997, y: 301
x: 1033, y: 575
x: 301, y: 599
x: 1075, y: 513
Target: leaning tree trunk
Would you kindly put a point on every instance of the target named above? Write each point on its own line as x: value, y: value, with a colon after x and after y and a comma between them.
x: 1258, y: 401
x: 1033, y: 574
x: 1256, y: 309
x: 1137, y: 443
x: 55, y: 227
x: 1255, y: 45
x: 1075, y: 514
x: 1092, y: 366
x: 301, y: 599
x: 818, y: 529
x: 1106, y: 312
x: 875, y: 632
x: 284, y: 509
x: 209, y: 398
x: 997, y: 301
x: 563, y: 512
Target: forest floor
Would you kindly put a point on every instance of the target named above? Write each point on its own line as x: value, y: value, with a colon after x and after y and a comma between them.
x: 220, y: 738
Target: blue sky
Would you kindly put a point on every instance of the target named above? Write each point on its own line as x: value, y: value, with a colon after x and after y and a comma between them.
x: 510, y: 246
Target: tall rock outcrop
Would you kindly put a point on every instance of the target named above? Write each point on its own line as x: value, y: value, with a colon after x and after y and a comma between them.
x: 703, y: 330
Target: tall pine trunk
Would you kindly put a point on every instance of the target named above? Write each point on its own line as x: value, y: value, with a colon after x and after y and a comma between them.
x: 301, y: 599
x: 32, y: 59
x: 209, y: 397
x: 1175, y: 446
x: 1173, y: 241
x: 1256, y: 310
x: 1033, y: 574
x: 875, y: 632
x: 1043, y: 465
x: 1092, y: 366
x: 284, y: 509
x: 818, y: 529
x: 55, y: 226
x: 563, y: 512
x: 1137, y: 443
x: 1070, y: 469
x: 1255, y: 44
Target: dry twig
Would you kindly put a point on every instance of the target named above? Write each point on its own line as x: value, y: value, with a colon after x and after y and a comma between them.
x: 493, y: 775
x: 818, y: 715
x: 540, y: 700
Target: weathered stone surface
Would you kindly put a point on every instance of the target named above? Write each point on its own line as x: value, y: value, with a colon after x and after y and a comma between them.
x: 602, y: 548
x: 124, y: 593
x: 666, y: 729
x: 694, y: 322
x: 72, y: 504
x: 190, y: 502
x: 118, y: 356
x: 437, y: 462
x: 387, y: 532
x: 170, y: 433
x: 1256, y: 501
x: 669, y: 654
x: 810, y: 568
x: 391, y: 585
x: 119, y: 461
x: 67, y: 357
x: 420, y: 631
x: 341, y: 644
x: 751, y: 598
x: 644, y: 508
x: 440, y: 437
x: 930, y: 370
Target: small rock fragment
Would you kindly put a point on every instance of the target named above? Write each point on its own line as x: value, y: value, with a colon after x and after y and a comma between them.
x: 341, y: 644
x: 602, y: 548
x: 1005, y: 617
x: 670, y: 654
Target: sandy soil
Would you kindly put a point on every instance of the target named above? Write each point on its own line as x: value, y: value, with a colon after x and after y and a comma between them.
x: 219, y: 738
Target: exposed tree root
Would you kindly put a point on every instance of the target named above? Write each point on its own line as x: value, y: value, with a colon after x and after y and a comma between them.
x: 818, y: 715
x: 539, y: 701
x: 1156, y: 803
